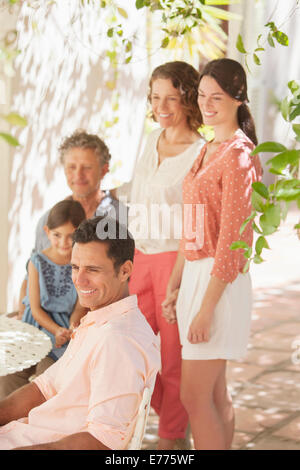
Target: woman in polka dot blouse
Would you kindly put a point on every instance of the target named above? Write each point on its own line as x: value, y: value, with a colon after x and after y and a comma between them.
x: 214, y: 302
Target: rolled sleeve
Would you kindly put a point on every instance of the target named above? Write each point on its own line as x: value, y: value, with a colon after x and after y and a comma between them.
x: 46, y: 381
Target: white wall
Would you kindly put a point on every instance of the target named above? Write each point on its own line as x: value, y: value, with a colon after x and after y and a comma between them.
x: 7, y: 23
x: 60, y: 86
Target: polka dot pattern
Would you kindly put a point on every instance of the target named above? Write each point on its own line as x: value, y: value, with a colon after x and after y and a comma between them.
x: 223, y: 187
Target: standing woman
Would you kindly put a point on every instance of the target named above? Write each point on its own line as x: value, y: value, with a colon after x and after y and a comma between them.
x: 214, y: 301
x: 157, y: 188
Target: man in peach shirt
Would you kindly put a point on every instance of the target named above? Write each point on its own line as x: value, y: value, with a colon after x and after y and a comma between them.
x: 90, y: 397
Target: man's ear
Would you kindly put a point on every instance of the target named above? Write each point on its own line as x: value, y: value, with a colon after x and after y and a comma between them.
x: 125, y: 270
x: 104, y: 170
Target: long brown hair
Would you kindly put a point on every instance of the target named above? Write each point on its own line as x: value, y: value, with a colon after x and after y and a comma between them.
x: 185, y: 78
x: 231, y: 77
x: 65, y: 211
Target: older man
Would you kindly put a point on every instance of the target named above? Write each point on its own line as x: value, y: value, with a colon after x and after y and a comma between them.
x: 85, y: 158
x: 89, y: 398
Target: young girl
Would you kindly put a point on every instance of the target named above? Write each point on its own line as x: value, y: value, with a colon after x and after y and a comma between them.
x: 52, y: 304
x: 214, y: 301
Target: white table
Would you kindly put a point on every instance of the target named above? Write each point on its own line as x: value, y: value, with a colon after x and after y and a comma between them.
x: 21, y: 345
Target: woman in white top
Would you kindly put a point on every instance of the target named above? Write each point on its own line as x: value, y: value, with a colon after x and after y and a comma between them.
x: 155, y: 220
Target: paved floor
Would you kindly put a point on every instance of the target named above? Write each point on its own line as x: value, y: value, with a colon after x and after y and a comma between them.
x: 265, y: 386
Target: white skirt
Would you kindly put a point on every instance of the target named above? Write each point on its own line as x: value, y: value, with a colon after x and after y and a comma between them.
x: 230, y: 328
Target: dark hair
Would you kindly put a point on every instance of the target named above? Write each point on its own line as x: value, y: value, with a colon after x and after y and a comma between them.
x: 65, y: 211
x: 83, y: 140
x: 231, y: 77
x: 103, y: 229
x: 185, y: 79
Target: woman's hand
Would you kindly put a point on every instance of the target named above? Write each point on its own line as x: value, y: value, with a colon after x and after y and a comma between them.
x: 169, y: 307
x: 62, y: 336
x: 199, y: 330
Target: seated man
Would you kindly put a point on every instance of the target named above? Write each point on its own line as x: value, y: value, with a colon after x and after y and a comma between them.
x: 89, y: 398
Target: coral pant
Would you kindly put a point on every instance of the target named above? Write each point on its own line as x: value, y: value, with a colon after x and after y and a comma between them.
x: 149, y: 281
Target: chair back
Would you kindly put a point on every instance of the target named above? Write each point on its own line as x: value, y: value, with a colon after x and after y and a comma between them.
x: 141, y: 422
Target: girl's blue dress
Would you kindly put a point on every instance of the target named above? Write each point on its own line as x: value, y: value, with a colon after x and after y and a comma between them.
x: 57, y: 296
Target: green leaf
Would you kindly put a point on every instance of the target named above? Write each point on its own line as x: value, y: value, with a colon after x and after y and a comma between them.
x: 288, y: 194
x: 239, y: 245
x: 296, y: 129
x: 128, y: 47
x: 281, y: 38
x: 243, y: 246
x: 270, y: 40
x: 297, y: 226
x: 257, y: 202
x: 271, y: 25
x: 246, y: 267
x: 272, y: 213
x: 270, y: 220
x: 258, y: 42
x: 261, y: 189
x: 282, y: 160
x: 285, y: 209
x: 287, y: 184
x: 240, y: 45
x: 165, y: 42
x: 293, y: 86
x: 256, y: 229
x: 246, y: 222
x: 257, y: 259
x: 199, y: 13
x: 256, y: 59
x: 14, y: 119
x: 9, y: 139
x: 294, y: 113
x: 275, y: 172
x: 122, y: 12
x: 139, y: 4
x: 260, y: 244
x: 248, y: 252
x: 110, y: 32
x: 285, y: 108
x: 269, y: 147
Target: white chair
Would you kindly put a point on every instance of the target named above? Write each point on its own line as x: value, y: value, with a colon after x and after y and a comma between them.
x: 140, y: 426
